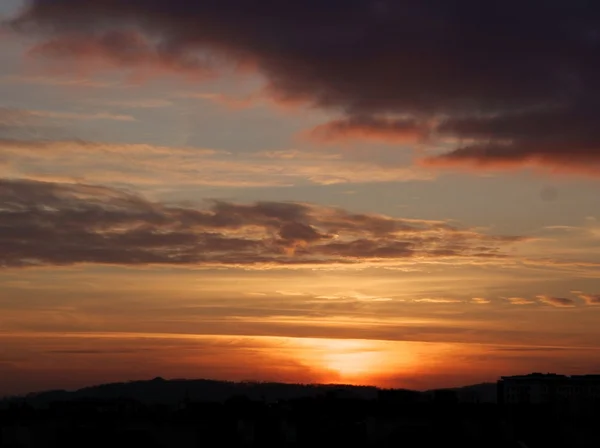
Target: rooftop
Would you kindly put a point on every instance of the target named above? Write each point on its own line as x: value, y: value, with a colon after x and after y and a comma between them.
x: 550, y: 376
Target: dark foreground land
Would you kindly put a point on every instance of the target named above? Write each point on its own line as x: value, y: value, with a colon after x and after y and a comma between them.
x: 170, y: 414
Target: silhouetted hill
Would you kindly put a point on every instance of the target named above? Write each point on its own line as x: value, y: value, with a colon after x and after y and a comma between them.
x: 474, y: 393
x: 485, y: 392
x: 172, y: 392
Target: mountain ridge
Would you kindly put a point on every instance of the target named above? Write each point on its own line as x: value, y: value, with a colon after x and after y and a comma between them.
x: 174, y: 391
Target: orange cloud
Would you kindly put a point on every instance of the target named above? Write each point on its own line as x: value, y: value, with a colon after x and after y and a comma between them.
x: 519, y: 301
x: 71, y: 161
x: 221, y: 99
x: 468, y: 163
x: 438, y: 300
x: 558, y: 302
x: 262, y: 97
x: 58, y: 81
x: 381, y: 130
x: 22, y: 117
x: 590, y: 299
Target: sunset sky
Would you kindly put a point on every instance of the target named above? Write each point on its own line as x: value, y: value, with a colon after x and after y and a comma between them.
x: 402, y: 193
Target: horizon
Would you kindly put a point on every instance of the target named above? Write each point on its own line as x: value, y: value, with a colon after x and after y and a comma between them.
x: 453, y: 385
x: 395, y: 193
x: 258, y: 382
x: 240, y: 382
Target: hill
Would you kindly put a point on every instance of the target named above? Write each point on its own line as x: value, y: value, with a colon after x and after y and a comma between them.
x: 176, y: 391
x: 172, y: 392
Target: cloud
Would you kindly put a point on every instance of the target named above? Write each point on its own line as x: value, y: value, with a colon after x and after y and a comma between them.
x: 16, y: 117
x: 402, y: 131
x: 121, y: 48
x: 519, y: 301
x: 558, y: 302
x: 532, y: 349
x: 480, y: 301
x: 590, y: 299
x: 590, y: 266
x: 79, y: 116
x: 142, y: 164
x: 560, y: 136
x: 131, y: 104
x: 44, y: 223
x: 57, y: 81
x: 221, y: 99
x: 510, y: 84
x: 255, y: 99
x: 353, y: 296
x: 438, y: 300
x: 26, y: 124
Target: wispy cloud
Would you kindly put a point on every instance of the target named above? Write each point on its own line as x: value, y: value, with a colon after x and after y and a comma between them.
x: 354, y: 295
x: 520, y: 301
x: 221, y: 99
x: 140, y: 164
x: 438, y: 300
x: 79, y: 115
x: 48, y: 80
x: 15, y: 116
x: 131, y: 104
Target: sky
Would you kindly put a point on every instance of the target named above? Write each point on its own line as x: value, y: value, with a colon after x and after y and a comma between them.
x: 395, y: 193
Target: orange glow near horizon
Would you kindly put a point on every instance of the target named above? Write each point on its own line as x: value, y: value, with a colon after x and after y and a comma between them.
x: 356, y: 361
x: 72, y: 360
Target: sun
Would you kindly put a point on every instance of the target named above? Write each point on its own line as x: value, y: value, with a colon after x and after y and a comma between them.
x: 349, y: 361
x: 353, y: 364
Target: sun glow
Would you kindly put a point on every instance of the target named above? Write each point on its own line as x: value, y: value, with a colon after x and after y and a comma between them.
x: 356, y: 361
x: 352, y: 364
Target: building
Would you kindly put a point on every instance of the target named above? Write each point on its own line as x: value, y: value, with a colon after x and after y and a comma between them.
x: 535, y: 388
x: 549, y: 388
x: 582, y: 386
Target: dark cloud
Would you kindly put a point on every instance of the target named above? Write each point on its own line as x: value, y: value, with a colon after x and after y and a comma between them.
x: 560, y: 135
x: 558, y: 302
x: 514, y: 82
x: 62, y: 224
x: 124, y: 48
